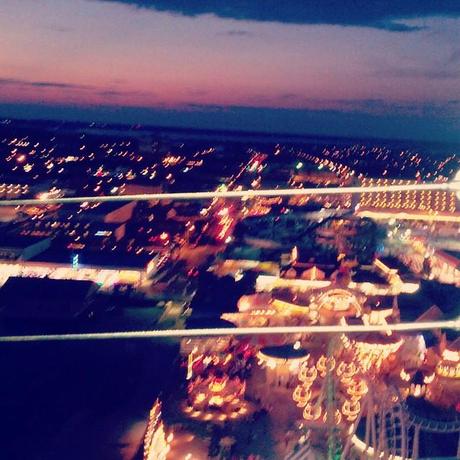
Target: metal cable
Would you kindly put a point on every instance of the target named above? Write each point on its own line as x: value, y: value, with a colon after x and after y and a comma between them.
x: 210, y: 332
x: 448, y: 186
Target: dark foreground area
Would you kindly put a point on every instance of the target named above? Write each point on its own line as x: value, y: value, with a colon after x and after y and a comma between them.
x: 75, y: 400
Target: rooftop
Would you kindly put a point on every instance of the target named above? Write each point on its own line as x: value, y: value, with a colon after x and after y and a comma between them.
x: 17, y: 241
x: 44, y: 298
x: 103, y: 259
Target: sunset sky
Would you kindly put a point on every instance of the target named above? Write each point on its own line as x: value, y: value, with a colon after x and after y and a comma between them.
x: 337, y: 67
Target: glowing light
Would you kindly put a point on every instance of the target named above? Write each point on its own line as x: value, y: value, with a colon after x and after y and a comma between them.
x: 273, y: 362
x: 404, y: 375
x: 217, y: 386
x: 156, y: 445
x: 456, y: 184
x: 451, y: 355
x: 312, y: 412
x: 43, y: 196
x: 447, y: 370
x: 351, y: 409
x: 350, y: 388
x: 371, y: 355
x: 75, y: 261
x: 417, y: 390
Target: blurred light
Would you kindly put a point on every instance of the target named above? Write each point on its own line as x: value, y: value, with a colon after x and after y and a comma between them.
x: 43, y: 196
x: 457, y: 184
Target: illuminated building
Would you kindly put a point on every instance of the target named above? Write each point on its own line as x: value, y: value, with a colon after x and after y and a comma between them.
x: 444, y: 389
x: 434, y: 203
x: 442, y: 265
x: 374, y: 349
x: 269, y: 283
x: 108, y: 212
x: 261, y: 206
x: 449, y: 366
x: 11, y: 191
x: 445, y: 266
x: 8, y: 214
x: 216, y: 369
x: 214, y: 349
x: 416, y: 419
x: 323, y: 173
x: 106, y: 272
x: 215, y: 396
x: 156, y: 444
x: 77, y: 232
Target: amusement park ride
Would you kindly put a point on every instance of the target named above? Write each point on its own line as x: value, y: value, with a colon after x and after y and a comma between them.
x: 354, y: 384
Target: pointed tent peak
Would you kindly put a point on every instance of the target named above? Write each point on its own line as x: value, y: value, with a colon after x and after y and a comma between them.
x: 434, y: 313
x: 291, y: 273
x: 455, y: 345
x: 313, y: 273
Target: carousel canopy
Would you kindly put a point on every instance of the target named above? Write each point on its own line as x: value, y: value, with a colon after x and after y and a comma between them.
x: 284, y: 352
x: 207, y: 322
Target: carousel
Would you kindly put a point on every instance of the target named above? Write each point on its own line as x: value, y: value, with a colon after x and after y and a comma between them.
x: 216, y: 397
x: 281, y: 364
x: 217, y: 370
x: 416, y: 414
x: 330, y: 378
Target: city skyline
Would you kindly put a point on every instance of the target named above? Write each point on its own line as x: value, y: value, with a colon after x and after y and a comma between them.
x: 367, y: 71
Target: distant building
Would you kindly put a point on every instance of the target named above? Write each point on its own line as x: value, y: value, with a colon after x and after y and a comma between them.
x: 22, y: 247
x: 139, y: 189
x: 8, y: 213
x: 446, y: 266
x: 13, y: 190
x: 115, y: 212
x: 432, y: 202
x: 111, y: 212
x: 75, y: 233
x: 106, y: 269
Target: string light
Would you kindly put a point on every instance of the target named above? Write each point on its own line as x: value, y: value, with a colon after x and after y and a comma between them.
x: 350, y: 387
x: 156, y: 446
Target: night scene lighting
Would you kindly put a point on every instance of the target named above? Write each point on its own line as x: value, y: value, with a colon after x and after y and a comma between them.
x: 229, y: 230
